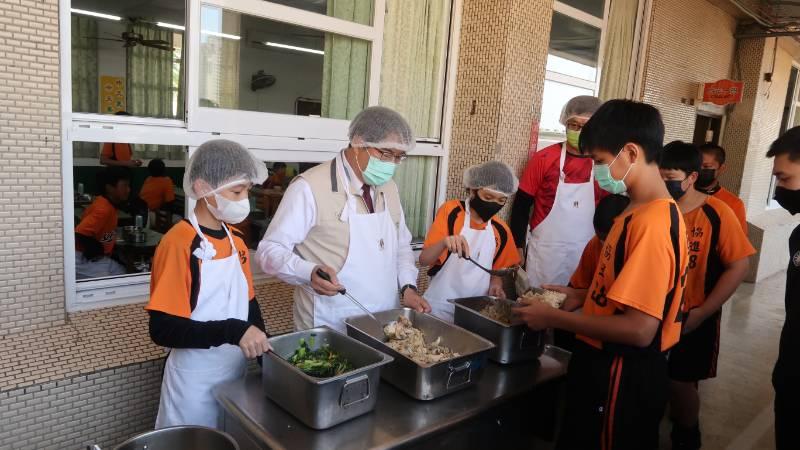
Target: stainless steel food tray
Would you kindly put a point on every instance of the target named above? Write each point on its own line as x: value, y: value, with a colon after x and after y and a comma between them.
x: 513, y: 343
x: 323, y: 402
x: 425, y: 382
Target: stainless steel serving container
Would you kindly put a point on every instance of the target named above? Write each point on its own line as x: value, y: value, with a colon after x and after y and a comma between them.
x: 323, y: 402
x: 513, y: 343
x: 425, y: 382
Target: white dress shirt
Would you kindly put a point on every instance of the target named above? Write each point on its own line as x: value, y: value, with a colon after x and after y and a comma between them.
x: 294, y: 219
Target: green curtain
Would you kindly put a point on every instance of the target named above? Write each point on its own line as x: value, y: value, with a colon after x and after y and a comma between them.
x: 345, y: 70
x: 150, y: 84
x: 414, y: 49
x: 618, y: 49
x: 416, y: 181
x: 84, y: 77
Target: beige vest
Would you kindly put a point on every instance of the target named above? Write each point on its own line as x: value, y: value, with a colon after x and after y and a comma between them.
x: 329, y: 239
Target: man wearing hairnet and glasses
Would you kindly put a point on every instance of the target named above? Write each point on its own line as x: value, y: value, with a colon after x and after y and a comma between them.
x: 341, y: 226
x: 554, y: 206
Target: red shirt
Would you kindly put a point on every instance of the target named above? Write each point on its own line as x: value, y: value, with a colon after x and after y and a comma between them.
x: 540, y: 179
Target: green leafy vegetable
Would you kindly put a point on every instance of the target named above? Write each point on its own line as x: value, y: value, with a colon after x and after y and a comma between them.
x: 322, y: 363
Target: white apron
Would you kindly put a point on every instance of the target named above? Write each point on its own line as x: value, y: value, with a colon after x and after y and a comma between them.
x: 370, y: 271
x: 459, y: 278
x: 556, y: 244
x: 190, y: 374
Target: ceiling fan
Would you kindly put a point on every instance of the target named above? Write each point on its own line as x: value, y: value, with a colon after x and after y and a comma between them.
x: 131, y: 39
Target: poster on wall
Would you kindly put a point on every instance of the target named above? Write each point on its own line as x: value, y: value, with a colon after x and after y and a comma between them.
x: 112, y: 94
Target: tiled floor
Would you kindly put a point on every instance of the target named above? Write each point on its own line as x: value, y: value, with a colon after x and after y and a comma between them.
x: 736, y: 411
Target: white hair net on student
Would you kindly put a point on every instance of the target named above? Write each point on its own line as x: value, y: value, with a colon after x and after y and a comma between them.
x: 580, y: 106
x: 219, y: 164
x: 494, y: 175
x: 382, y: 128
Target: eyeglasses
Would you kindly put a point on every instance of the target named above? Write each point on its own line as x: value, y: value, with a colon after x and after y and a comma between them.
x: 390, y: 156
x: 574, y: 126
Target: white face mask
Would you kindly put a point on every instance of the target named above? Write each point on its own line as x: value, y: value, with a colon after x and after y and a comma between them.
x: 229, y: 211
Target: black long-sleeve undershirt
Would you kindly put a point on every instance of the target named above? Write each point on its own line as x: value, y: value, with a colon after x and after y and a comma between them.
x: 520, y: 217
x: 171, y: 331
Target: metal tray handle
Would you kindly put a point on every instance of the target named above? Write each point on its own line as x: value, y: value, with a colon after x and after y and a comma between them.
x: 460, y: 375
x: 354, y: 390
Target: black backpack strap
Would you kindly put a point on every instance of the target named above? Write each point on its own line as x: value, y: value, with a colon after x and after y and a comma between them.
x: 503, y: 236
x: 451, y: 227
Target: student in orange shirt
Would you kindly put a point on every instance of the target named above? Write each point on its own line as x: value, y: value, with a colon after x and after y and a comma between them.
x: 718, y: 262
x: 470, y: 228
x: 96, y: 233
x: 202, y: 303
x: 157, y: 190
x: 708, y: 181
x: 118, y: 154
x: 617, y: 380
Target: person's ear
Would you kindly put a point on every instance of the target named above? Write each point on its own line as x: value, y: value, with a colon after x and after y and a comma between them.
x: 692, y: 178
x: 722, y: 169
x: 634, y: 152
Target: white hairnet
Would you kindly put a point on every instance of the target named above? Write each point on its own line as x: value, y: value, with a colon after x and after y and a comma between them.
x: 382, y: 128
x: 580, y: 106
x: 218, y: 164
x: 494, y: 175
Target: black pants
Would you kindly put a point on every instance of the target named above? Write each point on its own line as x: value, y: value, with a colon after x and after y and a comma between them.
x: 613, y: 401
x: 787, y: 410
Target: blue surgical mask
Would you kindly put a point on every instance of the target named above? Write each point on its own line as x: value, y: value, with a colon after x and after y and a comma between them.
x: 602, y: 173
x: 378, y: 172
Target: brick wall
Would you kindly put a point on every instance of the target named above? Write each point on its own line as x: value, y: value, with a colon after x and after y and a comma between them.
x: 31, y: 256
x: 691, y: 42
x: 502, y: 55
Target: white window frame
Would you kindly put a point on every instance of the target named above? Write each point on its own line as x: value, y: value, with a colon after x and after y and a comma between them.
x: 305, y: 147
x: 546, y: 137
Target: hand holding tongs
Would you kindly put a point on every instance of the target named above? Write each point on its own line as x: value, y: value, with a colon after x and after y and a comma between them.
x: 324, y: 275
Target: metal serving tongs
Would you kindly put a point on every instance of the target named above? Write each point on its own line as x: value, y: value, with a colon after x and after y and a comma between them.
x: 324, y: 275
x: 495, y: 272
x: 522, y: 283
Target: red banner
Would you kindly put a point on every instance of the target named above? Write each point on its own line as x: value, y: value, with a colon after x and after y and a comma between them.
x: 723, y: 92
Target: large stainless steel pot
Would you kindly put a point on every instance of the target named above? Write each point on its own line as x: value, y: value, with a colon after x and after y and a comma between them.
x: 181, y: 438
x: 323, y: 402
x: 513, y: 343
x: 426, y: 382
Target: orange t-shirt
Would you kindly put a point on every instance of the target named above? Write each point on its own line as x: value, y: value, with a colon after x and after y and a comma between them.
x: 735, y: 203
x: 642, y: 266
x: 175, y: 279
x: 715, y: 240
x: 451, y: 216
x: 156, y: 191
x: 582, y: 277
x: 117, y: 151
x: 99, y: 221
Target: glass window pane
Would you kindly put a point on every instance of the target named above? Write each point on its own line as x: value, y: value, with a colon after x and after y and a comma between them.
x: 576, y: 44
x: 253, y: 64
x: 555, y: 96
x: 264, y: 199
x: 121, y: 213
x: 358, y: 11
x: 413, y: 66
x: 593, y: 7
x: 131, y: 65
x: 796, y: 116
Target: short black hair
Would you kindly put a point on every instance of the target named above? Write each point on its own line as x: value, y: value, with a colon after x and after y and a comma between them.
x: 679, y: 155
x: 787, y: 143
x: 619, y: 122
x: 110, y: 176
x: 607, y: 209
x: 157, y: 168
x: 279, y: 165
x: 713, y: 149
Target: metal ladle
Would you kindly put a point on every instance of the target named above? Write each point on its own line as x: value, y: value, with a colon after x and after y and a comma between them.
x: 495, y: 272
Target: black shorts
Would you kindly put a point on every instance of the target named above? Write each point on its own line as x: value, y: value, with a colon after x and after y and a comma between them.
x: 694, y: 358
x: 613, y: 401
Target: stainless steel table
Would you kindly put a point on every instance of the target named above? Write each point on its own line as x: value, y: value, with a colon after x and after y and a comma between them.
x: 398, y: 420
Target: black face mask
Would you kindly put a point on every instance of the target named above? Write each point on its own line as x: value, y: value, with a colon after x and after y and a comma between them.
x: 675, y: 189
x: 486, y: 210
x: 788, y: 199
x: 706, y: 178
